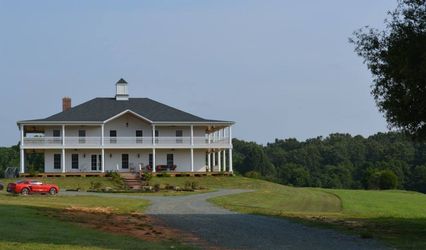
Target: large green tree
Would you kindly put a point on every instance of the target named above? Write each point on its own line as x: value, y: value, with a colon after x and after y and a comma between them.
x: 396, y: 57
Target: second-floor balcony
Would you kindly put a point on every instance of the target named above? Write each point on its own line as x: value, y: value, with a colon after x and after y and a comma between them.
x: 123, y: 142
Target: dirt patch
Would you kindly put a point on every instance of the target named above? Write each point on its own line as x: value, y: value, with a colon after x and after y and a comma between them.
x: 145, y: 227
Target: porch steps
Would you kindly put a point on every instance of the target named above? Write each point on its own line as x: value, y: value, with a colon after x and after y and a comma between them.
x: 132, y: 180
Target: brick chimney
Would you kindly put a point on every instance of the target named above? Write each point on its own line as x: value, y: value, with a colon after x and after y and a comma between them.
x: 66, y: 103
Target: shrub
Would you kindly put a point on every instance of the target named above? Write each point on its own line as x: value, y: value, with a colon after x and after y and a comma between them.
x: 157, y: 187
x: 146, y: 176
x: 164, y: 174
x: 117, y: 181
x: 388, y: 180
x: 384, y: 179
x: 253, y: 174
x: 95, y: 185
x: 187, y: 186
x: 109, y: 173
x: 195, y: 185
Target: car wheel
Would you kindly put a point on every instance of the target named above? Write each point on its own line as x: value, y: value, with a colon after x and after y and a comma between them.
x: 52, y: 191
x: 25, y: 191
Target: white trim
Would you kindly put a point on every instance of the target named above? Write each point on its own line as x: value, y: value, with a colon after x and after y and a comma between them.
x: 63, y: 135
x: 192, y: 160
x: 102, y: 135
x: 230, y: 161
x: 57, y: 123
x: 219, y: 160
x: 192, y: 135
x: 153, y: 161
x: 22, y: 135
x: 125, y: 112
x: 22, y: 158
x: 103, y: 161
x: 63, y: 160
x: 224, y: 160
x: 209, y: 165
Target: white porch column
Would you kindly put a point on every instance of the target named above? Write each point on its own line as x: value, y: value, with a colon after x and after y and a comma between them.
x: 230, y: 135
x: 22, y: 152
x: 153, y: 135
x: 230, y: 150
x: 63, y: 135
x: 209, y: 165
x: 230, y: 160
x: 214, y: 159
x: 63, y: 160
x: 102, y: 135
x: 153, y: 160
x: 192, y: 135
x: 103, y: 150
x: 192, y: 160
x: 22, y: 160
x: 153, y: 149
x: 224, y: 160
x: 103, y: 161
x: 192, y: 148
x: 219, y: 161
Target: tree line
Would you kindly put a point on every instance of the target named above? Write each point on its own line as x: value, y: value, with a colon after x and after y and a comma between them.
x: 382, y: 161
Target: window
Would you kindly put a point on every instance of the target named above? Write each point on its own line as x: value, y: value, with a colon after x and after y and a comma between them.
x: 56, y: 135
x: 179, y: 133
x: 156, y: 136
x: 139, y: 135
x: 82, y: 136
x: 150, y: 160
x: 74, y: 161
x: 113, y: 136
x: 57, y: 161
x: 125, y: 161
x: 170, y: 161
x: 94, y: 162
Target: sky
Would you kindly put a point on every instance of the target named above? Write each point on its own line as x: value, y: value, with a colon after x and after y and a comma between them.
x: 278, y: 68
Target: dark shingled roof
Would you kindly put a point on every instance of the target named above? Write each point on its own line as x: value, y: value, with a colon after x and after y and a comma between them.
x: 101, y: 109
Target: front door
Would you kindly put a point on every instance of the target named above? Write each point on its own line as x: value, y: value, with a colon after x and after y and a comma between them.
x: 94, y: 162
x: 125, y: 161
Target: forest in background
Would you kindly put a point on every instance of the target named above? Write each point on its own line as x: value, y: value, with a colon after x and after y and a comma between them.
x: 381, y: 161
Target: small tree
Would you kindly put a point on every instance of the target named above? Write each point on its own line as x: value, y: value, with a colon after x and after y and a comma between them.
x: 396, y: 57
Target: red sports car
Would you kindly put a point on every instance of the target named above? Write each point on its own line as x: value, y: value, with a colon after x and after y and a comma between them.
x: 26, y: 187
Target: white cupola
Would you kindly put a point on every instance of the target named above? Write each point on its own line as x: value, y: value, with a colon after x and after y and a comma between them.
x: 121, y: 90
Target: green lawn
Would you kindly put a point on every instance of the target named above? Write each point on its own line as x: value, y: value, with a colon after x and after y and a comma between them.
x: 25, y: 224
x: 396, y: 217
x: 24, y: 227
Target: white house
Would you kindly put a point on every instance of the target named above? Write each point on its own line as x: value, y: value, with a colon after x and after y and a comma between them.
x: 126, y: 134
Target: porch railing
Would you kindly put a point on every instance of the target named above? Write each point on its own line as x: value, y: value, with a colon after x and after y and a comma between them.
x: 123, y: 141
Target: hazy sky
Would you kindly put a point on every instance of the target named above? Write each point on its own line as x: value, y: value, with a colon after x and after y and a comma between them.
x: 278, y: 68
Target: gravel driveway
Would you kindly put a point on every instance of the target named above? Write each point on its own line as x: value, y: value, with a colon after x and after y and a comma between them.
x: 226, y: 229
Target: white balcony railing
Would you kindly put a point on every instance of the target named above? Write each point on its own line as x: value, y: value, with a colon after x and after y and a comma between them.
x: 122, y: 141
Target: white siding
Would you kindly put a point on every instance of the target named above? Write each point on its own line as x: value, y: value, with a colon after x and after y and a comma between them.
x: 181, y: 157
x: 126, y: 126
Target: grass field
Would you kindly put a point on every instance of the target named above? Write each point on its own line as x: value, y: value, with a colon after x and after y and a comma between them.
x: 26, y: 223
x: 396, y: 217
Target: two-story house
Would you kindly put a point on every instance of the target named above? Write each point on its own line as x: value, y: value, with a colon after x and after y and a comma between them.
x: 126, y: 134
